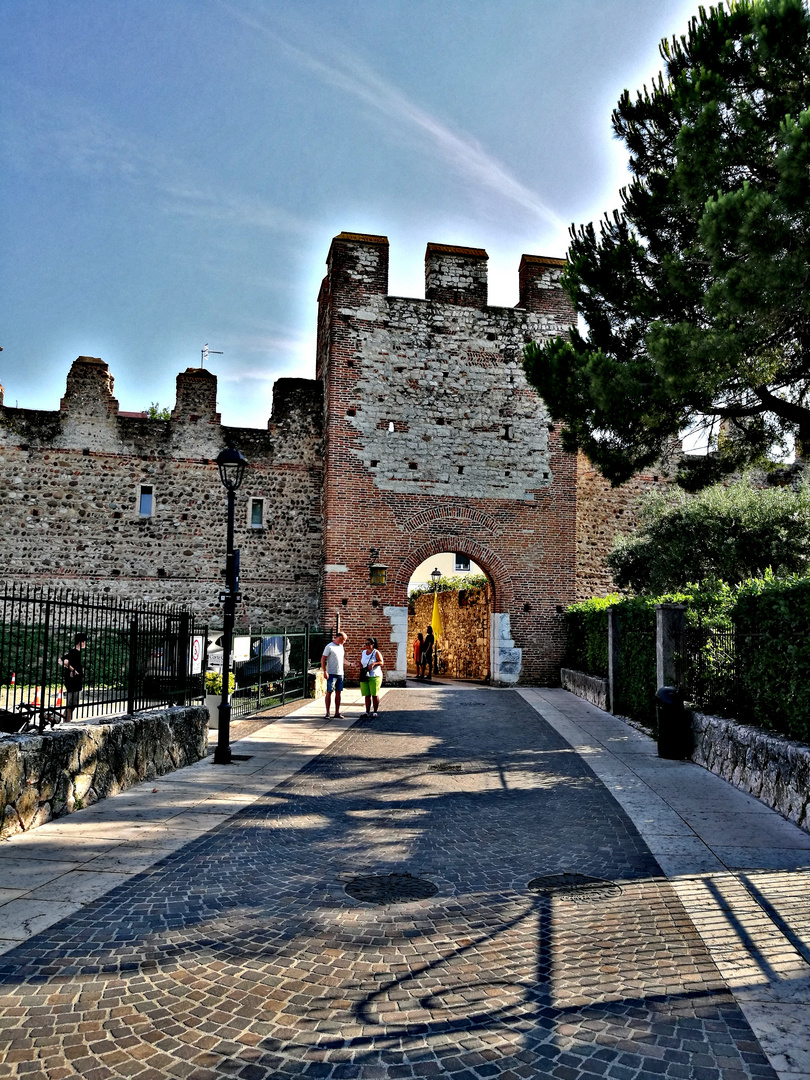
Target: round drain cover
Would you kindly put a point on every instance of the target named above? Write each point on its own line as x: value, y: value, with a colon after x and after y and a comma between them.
x: 577, y: 887
x: 390, y: 888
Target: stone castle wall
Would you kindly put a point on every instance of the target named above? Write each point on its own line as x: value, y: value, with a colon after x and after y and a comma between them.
x: 418, y: 435
x: 435, y: 442
x: 70, y: 484
x: 464, y: 645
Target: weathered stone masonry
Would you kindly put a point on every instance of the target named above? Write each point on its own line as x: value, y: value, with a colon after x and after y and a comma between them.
x: 418, y: 435
x: 70, y: 484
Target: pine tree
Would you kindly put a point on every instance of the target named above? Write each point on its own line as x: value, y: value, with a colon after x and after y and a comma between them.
x: 696, y: 294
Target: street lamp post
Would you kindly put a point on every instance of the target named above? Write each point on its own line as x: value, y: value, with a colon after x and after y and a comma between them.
x: 231, y: 471
x: 436, y: 575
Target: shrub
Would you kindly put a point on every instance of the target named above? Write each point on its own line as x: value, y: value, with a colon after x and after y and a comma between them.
x: 773, y: 658
x: 729, y: 533
x: 586, y: 626
x: 451, y: 584
x: 213, y: 682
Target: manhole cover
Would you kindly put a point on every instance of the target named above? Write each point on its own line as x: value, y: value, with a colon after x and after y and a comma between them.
x: 578, y: 888
x: 444, y: 766
x: 390, y: 888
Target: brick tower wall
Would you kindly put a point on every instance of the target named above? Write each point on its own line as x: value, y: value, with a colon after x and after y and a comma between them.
x: 435, y: 442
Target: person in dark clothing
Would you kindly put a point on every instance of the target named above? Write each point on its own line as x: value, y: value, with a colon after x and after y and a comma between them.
x: 427, y: 653
x: 74, y: 675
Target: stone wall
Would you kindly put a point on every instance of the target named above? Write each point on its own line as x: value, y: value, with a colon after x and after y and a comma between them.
x: 773, y: 769
x: 589, y: 687
x: 49, y: 775
x: 435, y: 442
x: 464, y: 644
x: 70, y: 484
x: 603, y: 513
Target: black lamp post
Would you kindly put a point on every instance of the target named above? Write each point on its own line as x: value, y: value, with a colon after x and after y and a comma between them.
x: 436, y: 577
x: 231, y: 472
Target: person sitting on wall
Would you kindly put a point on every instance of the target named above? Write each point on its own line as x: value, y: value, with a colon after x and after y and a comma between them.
x: 332, y: 668
x: 371, y: 669
x: 417, y: 654
x: 74, y: 675
x: 427, y: 653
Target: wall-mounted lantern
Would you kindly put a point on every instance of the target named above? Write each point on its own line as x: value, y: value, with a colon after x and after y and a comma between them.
x: 377, y: 571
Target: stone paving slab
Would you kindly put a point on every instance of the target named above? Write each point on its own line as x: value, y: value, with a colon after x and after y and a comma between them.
x: 244, y: 952
x: 748, y: 900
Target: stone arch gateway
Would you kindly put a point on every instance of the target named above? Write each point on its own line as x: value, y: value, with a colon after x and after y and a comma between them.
x: 434, y: 441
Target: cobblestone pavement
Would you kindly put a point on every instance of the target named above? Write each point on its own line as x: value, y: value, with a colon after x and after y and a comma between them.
x: 243, y: 954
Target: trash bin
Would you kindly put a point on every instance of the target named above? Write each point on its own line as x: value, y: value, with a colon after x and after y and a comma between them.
x: 674, y: 724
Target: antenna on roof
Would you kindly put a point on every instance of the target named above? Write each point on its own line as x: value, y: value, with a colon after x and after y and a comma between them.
x: 205, y: 352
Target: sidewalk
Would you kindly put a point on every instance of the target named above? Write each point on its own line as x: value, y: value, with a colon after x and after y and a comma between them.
x: 740, y: 870
x: 55, y: 870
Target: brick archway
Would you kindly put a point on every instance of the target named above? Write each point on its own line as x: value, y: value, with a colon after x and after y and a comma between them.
x: 491, y: 563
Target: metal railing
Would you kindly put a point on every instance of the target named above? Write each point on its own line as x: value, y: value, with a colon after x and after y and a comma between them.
x: 138, y: 655
x: 711, y: 668
x: 273, y: 671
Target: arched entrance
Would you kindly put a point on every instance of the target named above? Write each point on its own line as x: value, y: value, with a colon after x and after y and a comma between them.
x: 452, y: 586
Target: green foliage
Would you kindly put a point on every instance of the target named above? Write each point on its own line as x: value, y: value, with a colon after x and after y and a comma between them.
x: 154, y: 412
x: 773, y: 642
x: 637, y: 684
x: 587, y: 635
x: 213, y: 682
x: 731, y: 533
x: 694, y: 294
x: 451, y: 584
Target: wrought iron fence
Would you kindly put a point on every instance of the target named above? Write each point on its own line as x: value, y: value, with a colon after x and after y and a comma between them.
x: 273, y: 669
x: 138, y: 655
x: 712, y: 668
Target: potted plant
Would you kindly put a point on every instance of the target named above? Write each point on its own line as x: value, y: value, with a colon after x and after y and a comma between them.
x: 213, y: 695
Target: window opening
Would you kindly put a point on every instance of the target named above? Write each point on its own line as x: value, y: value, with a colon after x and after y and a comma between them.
x: 257, y: 513
x: 461, y: 562
x: 146, y: 501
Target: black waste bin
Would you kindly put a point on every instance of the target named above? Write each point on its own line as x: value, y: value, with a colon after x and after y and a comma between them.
x: 674, y: 724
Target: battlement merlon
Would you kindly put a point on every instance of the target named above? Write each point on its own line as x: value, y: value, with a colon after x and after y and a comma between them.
x: 196, y: 397
x: 357, y: 268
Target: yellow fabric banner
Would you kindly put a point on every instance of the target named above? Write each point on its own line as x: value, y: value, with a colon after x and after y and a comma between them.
x: 436, y: 618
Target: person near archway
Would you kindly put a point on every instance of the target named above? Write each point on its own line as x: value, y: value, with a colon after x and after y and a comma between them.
x: 371, y: 670
x: 417, y: 654
x: 332, y: 668
x: 427, y: 653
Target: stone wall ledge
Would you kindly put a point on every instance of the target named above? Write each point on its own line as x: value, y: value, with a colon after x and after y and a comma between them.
x: 770, y: 767
x: 589, y: 687
x: 46, y: 776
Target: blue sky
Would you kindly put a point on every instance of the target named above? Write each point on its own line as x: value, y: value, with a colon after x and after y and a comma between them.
x: 174, y: 170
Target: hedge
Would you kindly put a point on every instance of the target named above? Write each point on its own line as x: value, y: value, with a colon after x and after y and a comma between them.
x: 773, y: 653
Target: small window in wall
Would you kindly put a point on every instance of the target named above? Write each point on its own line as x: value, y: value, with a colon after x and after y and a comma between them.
x: 257, y: 513
x: 461, y: 562
x: 146, y: 501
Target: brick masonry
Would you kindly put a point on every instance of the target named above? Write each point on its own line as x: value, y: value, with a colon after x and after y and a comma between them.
x: 435, y: 442
x: 418, y: 435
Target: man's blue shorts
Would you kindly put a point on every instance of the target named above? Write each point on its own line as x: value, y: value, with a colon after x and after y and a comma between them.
x: 334, y: 682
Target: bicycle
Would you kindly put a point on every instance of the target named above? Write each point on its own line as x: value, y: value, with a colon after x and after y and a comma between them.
x: 29, y: 718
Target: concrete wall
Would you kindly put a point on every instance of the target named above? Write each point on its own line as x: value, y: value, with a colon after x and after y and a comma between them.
x: 49, y: 775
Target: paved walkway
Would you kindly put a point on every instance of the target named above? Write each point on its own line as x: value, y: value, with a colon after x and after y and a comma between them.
x: 566, y: 905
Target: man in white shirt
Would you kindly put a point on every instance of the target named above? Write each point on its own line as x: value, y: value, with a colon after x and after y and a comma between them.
x: 332, y: 668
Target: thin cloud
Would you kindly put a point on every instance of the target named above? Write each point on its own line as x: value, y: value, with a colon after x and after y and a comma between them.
x: 466, y: 155
x: 68, y: 134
